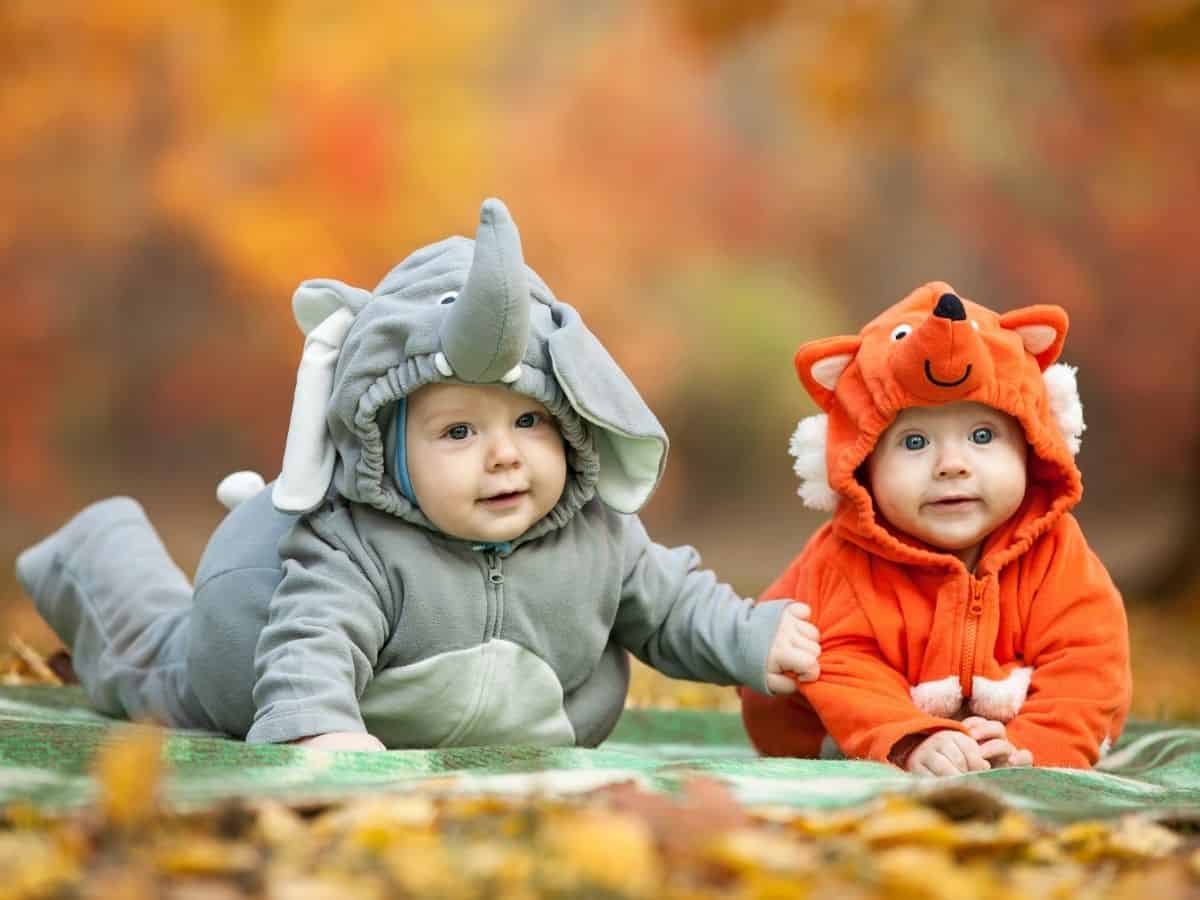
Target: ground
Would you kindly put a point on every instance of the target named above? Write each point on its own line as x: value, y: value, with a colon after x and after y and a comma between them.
x: 619, y: 841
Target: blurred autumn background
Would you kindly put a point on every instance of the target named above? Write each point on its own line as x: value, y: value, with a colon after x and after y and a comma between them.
x: 711, y: 183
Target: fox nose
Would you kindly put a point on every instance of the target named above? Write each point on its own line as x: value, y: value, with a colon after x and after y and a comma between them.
x: 950, y: 307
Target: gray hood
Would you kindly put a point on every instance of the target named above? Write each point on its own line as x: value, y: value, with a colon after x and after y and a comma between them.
x: 468, y: 312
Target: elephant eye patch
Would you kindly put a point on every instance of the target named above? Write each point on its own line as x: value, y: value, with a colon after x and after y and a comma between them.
x: 447, y: 299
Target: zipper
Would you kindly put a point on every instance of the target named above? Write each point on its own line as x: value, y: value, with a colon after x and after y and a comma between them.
x: 971, y: 636
x: 495, y: 577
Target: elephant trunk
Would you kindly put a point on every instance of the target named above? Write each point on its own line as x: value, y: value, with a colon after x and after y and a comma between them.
x: 485, y: 334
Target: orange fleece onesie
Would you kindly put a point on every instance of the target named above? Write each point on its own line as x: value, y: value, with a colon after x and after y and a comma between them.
x: 912, y: 641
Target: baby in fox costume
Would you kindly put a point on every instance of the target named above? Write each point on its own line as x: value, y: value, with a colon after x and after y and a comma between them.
x: 965, y: 622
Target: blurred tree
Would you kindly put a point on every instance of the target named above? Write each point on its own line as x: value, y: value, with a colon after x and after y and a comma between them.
x: 710, y: 182
x: 1027, y: 153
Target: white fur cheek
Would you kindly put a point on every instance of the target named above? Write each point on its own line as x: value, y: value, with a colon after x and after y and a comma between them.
x: 942, y: 698
x: 808, y: 445
x: 1001, y: 700
x: 1062, y: 391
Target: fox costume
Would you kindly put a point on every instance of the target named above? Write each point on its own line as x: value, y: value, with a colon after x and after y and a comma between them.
x: 1034, y: 637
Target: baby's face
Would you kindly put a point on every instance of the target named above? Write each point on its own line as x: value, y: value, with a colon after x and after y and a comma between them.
x: 949, y: 475
x: 485, y: 462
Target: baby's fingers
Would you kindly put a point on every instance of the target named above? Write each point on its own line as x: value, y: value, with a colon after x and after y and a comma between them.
x: 997, y: 751
x: 802, y: 628
x: 982, y: 729
x: 798, y: 610
x: 782, y: 683
x: 806, y: 646
x: 796, y: 618
x: 1020, y: 758
x: 972, y: 758
x: 936, y: 764
x: 802, y: 661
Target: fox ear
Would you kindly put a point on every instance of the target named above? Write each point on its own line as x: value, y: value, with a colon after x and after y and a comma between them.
x: 1042, y: 329
x: 821, y: 363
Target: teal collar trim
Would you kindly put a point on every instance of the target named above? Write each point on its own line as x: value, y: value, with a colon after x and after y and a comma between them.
x: 503, y: 548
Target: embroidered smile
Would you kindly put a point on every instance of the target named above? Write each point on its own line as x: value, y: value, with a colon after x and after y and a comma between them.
x: 940, y: 383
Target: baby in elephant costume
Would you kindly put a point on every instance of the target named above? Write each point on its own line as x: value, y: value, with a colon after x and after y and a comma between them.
x: 450, y: 555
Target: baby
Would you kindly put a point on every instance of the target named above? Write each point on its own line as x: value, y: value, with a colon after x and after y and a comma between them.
x: 965, y: 622
x: 450, y: 556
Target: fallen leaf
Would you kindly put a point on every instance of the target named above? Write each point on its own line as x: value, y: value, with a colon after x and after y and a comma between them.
x: 128, y: 768
x: 902, y: 821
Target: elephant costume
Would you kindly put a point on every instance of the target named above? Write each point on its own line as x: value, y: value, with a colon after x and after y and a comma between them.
x: 327, y: 601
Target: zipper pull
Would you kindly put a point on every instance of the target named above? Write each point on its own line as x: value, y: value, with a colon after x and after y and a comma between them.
x: 495, y: 576
x: 979, y: 591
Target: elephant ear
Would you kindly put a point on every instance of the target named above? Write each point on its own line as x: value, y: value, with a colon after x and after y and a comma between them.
x: 324, y: 310
x: 319, y: 298
x: 631, y: 443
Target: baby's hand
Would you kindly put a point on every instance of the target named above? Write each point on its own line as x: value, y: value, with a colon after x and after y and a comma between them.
x: 794, y: 652
x: 946, y: 753
x: 994, y: 744
x: 341, y: 740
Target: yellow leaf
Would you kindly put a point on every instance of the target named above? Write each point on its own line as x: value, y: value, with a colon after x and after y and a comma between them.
x: 371, y: 823
x: 1138, y: 838
x: 199, y: 855
x: 1063, y: 879
x: 278, y: 826
x: 32, y: 868
x: 421, y: 864
x: 1132, y: 837
x: 1084, y: 840
x: 924, y: 872
x: 1012, y: 830
x: 825, y: 824
x: 902, y: 822
x: 606, y: 850
x: 128, y: 768
x: 746, y: 850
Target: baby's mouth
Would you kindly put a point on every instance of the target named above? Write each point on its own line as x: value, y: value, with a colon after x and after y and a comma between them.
x: 504, y: 497
x: 952, y: 503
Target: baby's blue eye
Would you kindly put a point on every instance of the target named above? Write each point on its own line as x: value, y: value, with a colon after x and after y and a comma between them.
x: 528, y: 420
x: 458, y: 432
x: 915, y: 442
x: 982, y: 436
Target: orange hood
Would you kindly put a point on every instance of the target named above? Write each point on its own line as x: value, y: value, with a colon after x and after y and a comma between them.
x: 934, y: 347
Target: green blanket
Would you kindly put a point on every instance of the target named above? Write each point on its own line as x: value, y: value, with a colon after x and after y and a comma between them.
x: 48, y: 737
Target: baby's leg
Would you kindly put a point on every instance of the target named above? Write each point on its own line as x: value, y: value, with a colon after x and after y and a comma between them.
x: 105, y: 583
x: 237, y: 575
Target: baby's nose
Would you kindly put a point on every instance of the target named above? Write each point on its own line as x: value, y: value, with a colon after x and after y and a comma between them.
x: 503, y: 451
x: 952, y: 463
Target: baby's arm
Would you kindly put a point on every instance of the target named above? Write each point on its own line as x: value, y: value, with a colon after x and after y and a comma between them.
x: 679, y: 619
x: 317, y: 653
x: 863, y: 701
x: 1077, y: 641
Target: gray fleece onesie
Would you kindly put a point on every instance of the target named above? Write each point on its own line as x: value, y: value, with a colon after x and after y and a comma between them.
x: 327, y: 601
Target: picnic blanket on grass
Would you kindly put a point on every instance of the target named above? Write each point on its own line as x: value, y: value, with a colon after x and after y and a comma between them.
x: 49, y: 736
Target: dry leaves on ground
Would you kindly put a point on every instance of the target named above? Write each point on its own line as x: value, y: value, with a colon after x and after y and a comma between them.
x: 616, y: 842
